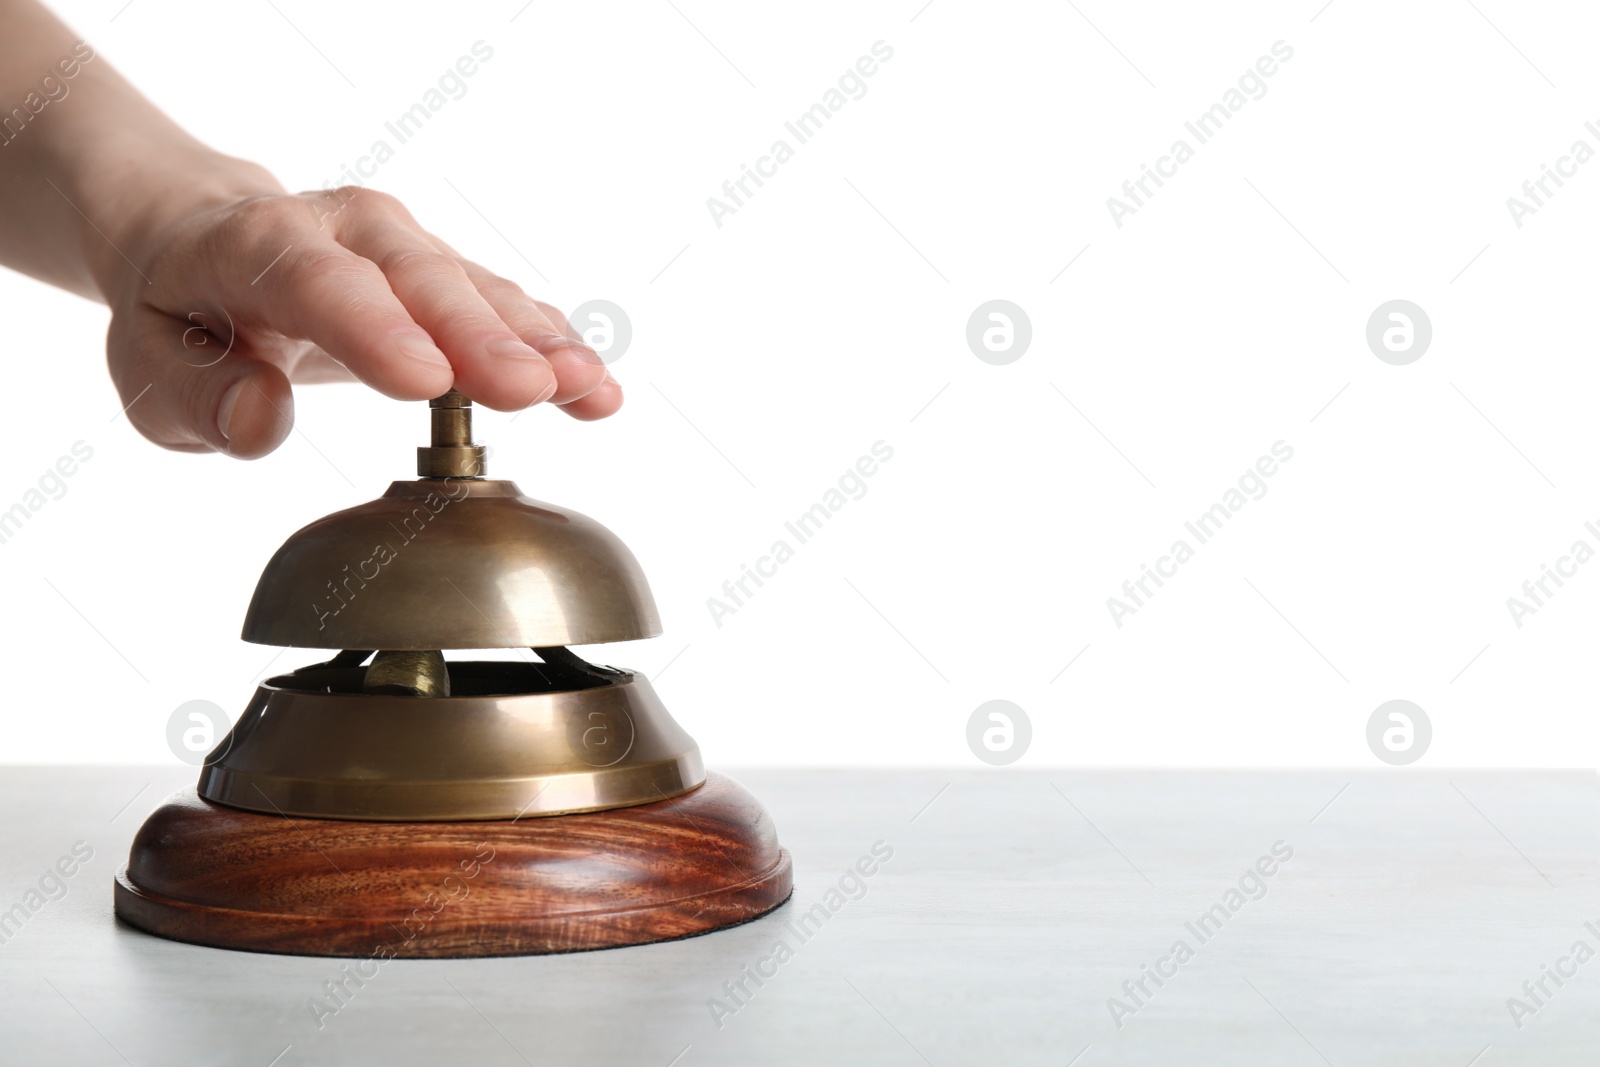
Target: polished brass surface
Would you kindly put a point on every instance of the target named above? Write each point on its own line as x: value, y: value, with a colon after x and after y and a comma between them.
x: 453, y: 462
x: 492, y: 751
x: 451, y: 561
x: 451, y: 564
x: 407, y: 672
x: 452, y: 453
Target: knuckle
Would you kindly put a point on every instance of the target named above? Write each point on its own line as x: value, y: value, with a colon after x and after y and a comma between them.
x: 248, y: 228
x: 326, y: 207
x: 375, y: 203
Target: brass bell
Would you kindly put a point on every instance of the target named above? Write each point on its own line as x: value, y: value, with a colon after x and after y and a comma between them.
x: 544, y: 804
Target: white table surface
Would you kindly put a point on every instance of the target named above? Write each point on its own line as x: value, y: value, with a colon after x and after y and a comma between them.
x: 1016, y: 903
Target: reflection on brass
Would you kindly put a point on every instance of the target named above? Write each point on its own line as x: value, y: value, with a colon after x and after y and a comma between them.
x: 452, y: 564
x: 408, y: 673
x: 489, y: 752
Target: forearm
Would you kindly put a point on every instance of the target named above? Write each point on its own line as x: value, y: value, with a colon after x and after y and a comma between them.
x: 89, y: 168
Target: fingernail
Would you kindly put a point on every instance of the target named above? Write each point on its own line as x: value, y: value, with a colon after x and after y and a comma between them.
x: 561, y: 342
x: 419, y: 348
x: 511, y: 348
x: 225, y: 406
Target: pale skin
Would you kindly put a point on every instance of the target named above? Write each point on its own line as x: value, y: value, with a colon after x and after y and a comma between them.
x: 103, y: 195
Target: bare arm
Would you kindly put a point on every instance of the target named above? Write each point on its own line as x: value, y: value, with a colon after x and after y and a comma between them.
x: 103, y: 195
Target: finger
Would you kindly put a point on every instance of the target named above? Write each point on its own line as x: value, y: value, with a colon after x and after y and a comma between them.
x: 577, y: 367
x: 604, y: 400
x: 493, y: 365
x: 189, y: 390
x: 318, y: 291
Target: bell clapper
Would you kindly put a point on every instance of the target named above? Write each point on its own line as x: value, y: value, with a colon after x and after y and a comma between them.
x: 405, y: 672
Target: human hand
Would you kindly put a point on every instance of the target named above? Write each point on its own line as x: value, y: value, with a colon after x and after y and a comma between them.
x: 239, y: 298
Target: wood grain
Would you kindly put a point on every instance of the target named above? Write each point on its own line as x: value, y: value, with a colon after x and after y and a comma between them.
x: 214, y: 875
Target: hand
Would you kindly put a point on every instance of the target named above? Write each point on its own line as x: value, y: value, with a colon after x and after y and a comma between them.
x: 233, y: 302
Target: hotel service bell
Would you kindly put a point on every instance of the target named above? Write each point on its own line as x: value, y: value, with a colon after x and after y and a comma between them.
x: 390, y: 801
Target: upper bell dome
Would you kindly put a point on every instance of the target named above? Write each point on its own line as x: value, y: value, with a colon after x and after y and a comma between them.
x: 451, y: 561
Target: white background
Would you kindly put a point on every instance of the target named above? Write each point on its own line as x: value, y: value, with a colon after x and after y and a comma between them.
x: 830, y: 313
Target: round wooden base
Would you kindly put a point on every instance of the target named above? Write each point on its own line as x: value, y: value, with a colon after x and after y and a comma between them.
x: 214, y: 875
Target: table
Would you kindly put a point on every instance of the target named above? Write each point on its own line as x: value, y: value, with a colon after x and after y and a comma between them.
x: 1400, y: 913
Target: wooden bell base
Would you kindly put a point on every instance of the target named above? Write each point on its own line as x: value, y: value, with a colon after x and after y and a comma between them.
x: 213, y: 875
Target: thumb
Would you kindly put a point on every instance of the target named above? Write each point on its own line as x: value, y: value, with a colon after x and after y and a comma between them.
x: 192, y: 390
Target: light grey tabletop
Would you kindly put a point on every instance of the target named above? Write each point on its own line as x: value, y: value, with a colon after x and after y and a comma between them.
x: 1412, y: 908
